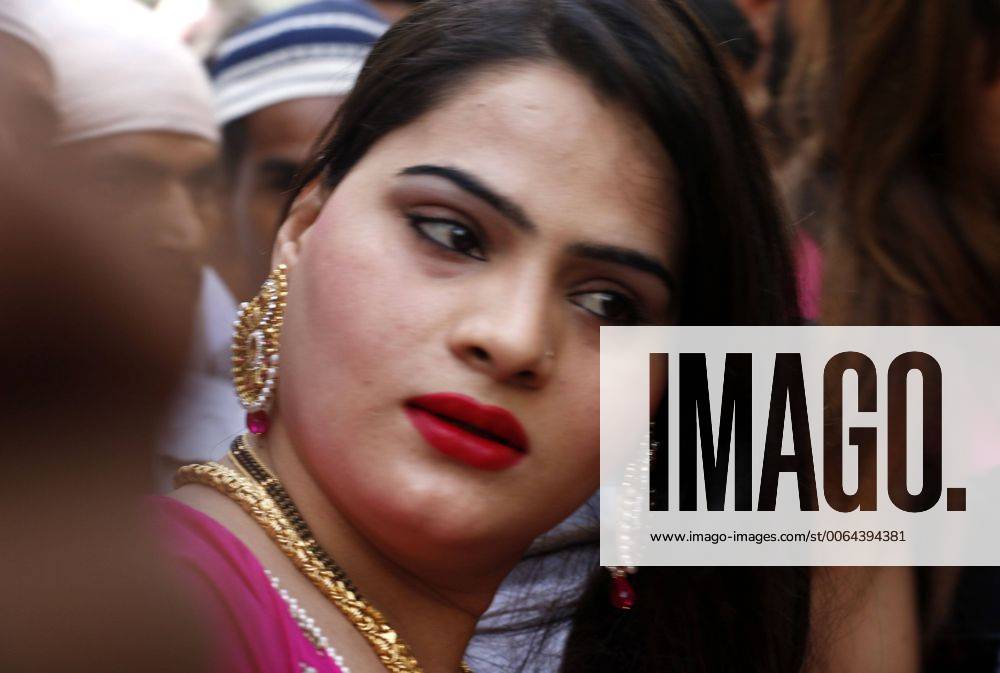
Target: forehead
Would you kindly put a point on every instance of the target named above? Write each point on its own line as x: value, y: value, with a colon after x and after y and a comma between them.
x: 177, y: 154
x: 541, y: 135
x: 293, y: 124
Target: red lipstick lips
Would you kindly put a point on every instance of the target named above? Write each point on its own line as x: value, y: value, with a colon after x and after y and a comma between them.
x: 483, y: 436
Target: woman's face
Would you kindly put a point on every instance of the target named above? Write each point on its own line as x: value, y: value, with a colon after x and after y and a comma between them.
x: 476, y: 251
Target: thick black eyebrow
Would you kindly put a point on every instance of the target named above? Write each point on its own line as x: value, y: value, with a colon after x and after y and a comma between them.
x: 604, y: 253
x: 473, y: 185
x: 625, y: 257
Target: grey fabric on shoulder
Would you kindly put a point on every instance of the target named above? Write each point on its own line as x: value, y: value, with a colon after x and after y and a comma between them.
x: 526, y: 627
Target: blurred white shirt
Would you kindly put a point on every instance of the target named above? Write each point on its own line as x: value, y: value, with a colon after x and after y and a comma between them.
x: 206, y: 415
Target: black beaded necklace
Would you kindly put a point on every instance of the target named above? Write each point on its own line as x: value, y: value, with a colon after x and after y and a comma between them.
x: 242, y: 454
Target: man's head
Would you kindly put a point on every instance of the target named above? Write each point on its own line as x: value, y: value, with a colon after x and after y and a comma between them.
x: 134, y: 109
x: 277, y: 83
x: 746, y: 31
x: 394, y: 10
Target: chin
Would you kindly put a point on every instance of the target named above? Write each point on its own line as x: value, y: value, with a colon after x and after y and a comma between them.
x: 433, y: 516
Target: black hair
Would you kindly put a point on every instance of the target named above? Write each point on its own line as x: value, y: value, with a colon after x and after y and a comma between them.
x: 731, y: 28
x: 695, y: 620
x: 658, y: 63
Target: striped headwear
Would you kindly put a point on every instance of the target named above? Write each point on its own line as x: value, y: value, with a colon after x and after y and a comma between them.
x: 312, y: 50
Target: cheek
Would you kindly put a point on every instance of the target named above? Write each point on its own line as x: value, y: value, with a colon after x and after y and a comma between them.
x: 572, y: 436
x: 352, y: 334
x: 366, y: 328
x: 345, y: 289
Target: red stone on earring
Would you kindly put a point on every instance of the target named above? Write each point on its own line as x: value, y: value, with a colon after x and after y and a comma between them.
x: 622, y: 593
x: 258, y: 422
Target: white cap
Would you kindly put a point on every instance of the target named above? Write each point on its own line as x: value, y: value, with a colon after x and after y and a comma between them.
x: 116, y: 69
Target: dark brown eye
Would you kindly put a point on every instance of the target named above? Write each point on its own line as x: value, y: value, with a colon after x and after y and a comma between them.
x: 609, y: 306
x: 449, y: 234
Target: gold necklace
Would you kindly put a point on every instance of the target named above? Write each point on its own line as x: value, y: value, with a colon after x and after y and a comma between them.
x: 249, y: 464
x: 394, y: 654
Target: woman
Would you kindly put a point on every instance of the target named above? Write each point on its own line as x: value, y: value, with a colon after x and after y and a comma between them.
x: 505, y: 179
x: 910, y: 175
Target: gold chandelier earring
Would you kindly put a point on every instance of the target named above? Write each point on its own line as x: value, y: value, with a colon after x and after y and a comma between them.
x: 256, y: 336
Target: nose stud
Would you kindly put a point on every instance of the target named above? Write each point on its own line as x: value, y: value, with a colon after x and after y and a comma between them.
x: 550, y: 353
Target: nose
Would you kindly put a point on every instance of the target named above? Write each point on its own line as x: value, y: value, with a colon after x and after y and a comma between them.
x: 507, y: 331
x: 181, y: 229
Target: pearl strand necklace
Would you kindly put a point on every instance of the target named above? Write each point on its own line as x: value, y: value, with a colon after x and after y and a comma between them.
x: 633, y: 501
x: 307, y: 624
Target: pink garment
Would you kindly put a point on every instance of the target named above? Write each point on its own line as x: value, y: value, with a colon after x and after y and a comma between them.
x: 253, y: 630
x: 809, y: 274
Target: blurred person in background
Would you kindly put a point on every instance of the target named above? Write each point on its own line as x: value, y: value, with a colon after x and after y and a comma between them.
x: 28, y: 120
x: 394, y: 10
x: 276, y: 83
x: 133, y: 111
x: 902, y: 125
x: 95, y: 336
x: 746, y: 32
x: 898, y: 104
x: 131, y: 105
x: 753, y: 41
x: 226, y: 17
